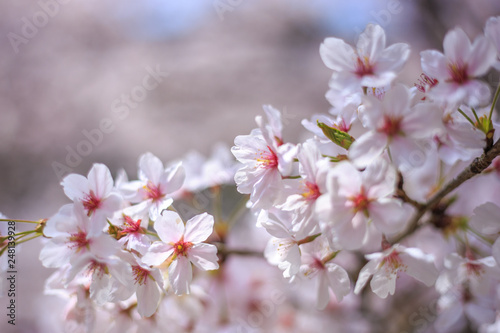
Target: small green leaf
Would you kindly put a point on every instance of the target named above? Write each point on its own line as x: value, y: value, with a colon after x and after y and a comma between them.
x: 338, y: 137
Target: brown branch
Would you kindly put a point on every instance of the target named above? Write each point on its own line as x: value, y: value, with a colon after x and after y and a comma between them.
x: 475, y: 168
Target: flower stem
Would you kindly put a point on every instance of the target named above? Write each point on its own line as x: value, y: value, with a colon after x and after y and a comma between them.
x: 495, y: 99
x: 23, y: 221
x: 466, y: 117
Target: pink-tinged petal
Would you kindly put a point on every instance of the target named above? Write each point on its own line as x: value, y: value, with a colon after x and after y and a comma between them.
x: 322, y: 293
x: 378, y: 179
x: 62, y: 223
x: 424, y: 121
x: 78, y: 263
x: 267, y: 189
x: 103, y: 245
x: 157, y: 207
x: 495, y: 251
x: 366, y: 148
x: 157, y: 253
x: 274, y: 228
x: 477, y: 93
x: 352, y: 235
x: 451, y: 92
x: 486, y: 218
x: 393, y: 58
x: 397, y: 101
x: 449, y: 317
x: 148, y: 298
x: 383, y: 283
x: 482, y: 57
x: 150, y: 168
x: 492, y: 31
x: 420, y: 265
x: 406, y: 153
x: 121, y: 271
x: 169, y: 227
x: 337, y: 54
x: 434, y: 64
x: 371, y: 42
x: 349, y: 179
x: 75, y: 186
x: 204, y: 256
x: 100, y: 180
x: 338, y: 280
x: 55, y: 255
x: 273, y: 119
x: 388, y: 215
x: 112, y: 203
x: 173, y: 178
x: 180, y: 275
x: 457, y: 46
x: 364, y: 275
x: 199, y: 228
x: 291, y: 266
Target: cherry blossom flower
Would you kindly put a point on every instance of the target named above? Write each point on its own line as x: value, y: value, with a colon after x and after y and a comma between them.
x: 131, y: 226
x: 154, y: 185
x: 459, y: 67
x: 72, y: 234
x: 96, y: 192
x: 385, y: 267
x: 313, y: 169
x: 358, y: 201
x: 148, y: 283
x: 266, y: 158
x: 316, y: 263
x: 370, y: 64
x: 182, y: 245
x: 394, y: 125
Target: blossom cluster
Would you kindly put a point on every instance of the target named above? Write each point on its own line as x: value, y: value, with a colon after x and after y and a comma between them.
x: 396, y: 186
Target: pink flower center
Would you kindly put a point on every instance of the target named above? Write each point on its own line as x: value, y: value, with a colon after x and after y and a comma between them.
x: 393, y: 262
x: 342, y: 126
x: 181, y: 247
x: 78, y: 241
x: 140, y: 274
x: 91, y: 203
x: 458, y: 72
x: 360, y: 202
x: 474, y: 269
x: 391, y: 126
x: 96, y: 268
x: 267, y: 159
x: 425, y: 83
x: 131, y: 226
x: 363, y: 67
x: 317, y: 264
x: 312, y: 192
x: 153, y: 191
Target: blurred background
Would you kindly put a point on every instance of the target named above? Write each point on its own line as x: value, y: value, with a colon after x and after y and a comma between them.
x: 105, y: 81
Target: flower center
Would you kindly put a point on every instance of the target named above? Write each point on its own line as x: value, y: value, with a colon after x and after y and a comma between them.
x: 474, y: 269
x: 96, y: 269
x: 458, y: 72
x: 181, y: 247
x: 267, y: 159
x: 393, y: 263
x: 391, y: 126
x: 153, y: 191
x: 91, y: 202
x: 131, y: 226
x: 363, y: 66
x: 312, y: 192
x: 140, y: 274
x: 361, y: 202
x: 78, y: 241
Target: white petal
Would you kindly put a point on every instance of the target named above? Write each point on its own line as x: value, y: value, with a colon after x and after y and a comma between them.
x: 148, y: 298
x: 173, y: 178
x: 204, y: 256
x: 199, y: 228
x: 337, y: 54
x: 456, y: 45
x: 495, y: 251
x: 150, y: 168
x: 338, y: 280
x: 486, y: 218
x: 75, y: 186
x: 366, y: 148
x: 322, y: 293
x: 157, y: 253
x: 100, y: 180
x: 180, y: 275
x: 420, y: 265
x: 364, y: 275
x: 169, y: 227
x: 383, y: 284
